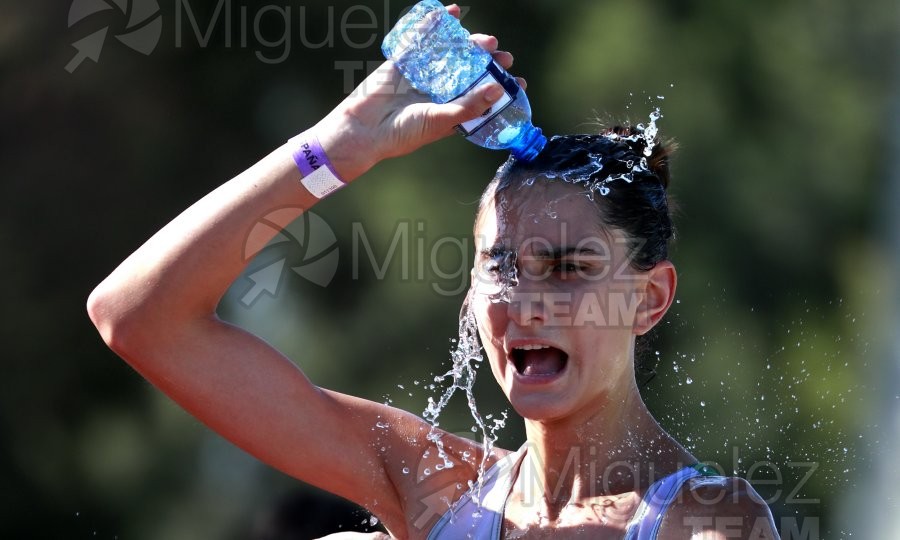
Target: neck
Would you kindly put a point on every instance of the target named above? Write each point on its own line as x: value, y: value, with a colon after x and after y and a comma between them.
x: 615, y: 449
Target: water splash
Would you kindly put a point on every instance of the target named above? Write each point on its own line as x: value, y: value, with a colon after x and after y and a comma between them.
x: 589, y: 174
x: 788, y: 404
x: 498, y: 274
x: 466, y: 358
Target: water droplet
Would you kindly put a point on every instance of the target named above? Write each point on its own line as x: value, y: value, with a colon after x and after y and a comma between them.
x: 405, y: 470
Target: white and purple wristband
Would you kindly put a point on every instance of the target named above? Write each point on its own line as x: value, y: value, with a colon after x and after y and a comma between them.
x: 319, y: 177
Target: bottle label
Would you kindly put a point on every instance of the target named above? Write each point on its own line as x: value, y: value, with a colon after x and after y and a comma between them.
x: 493, y: 74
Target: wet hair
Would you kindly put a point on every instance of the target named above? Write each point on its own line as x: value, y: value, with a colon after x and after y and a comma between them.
x: 625, y: 171
x: 625, y: 175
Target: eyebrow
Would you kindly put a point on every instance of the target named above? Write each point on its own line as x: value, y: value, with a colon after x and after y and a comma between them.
x: 565, y: 251
x: 554, y: 253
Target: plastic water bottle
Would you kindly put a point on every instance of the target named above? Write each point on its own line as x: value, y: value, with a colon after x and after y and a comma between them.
x: 432, y: 50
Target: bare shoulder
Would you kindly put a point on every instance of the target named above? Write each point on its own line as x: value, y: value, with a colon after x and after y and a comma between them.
x: 431, y: 483
x: 717, y: 508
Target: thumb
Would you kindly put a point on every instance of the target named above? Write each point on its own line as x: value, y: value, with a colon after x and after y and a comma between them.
x: 468, y: 107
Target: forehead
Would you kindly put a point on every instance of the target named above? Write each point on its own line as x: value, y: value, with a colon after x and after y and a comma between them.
x: 550, y: 213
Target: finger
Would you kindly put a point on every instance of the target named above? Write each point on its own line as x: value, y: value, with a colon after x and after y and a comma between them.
x: 486, y: 42
x: 522, y: 82
x: 504, y: 58
x: 444, y: 117
x: 453, y: 9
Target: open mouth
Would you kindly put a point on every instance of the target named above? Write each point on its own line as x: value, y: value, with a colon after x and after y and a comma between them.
x: 538, y: 360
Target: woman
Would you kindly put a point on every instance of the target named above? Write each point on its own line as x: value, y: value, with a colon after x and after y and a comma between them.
x: 562, y: 286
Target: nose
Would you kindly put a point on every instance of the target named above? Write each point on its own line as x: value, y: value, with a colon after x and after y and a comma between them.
x: 526, y: 306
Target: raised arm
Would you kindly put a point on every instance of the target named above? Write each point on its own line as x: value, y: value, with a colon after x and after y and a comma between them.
x: 157, y: 309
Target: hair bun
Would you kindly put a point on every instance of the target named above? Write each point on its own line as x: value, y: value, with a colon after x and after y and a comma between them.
x: 652, y: 153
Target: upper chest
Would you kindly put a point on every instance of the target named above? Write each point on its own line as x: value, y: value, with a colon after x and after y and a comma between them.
x: 598, y: 518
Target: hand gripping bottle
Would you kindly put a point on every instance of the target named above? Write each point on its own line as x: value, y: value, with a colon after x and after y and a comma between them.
x: 432, y: 50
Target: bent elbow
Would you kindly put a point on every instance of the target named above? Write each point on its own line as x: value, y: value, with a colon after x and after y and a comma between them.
x: 108, y: 311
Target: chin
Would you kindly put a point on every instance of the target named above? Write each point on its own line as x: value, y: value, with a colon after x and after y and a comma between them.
x: 539, y: 408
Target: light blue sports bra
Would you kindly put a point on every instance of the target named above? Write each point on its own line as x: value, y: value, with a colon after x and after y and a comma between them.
x: 467, y: 519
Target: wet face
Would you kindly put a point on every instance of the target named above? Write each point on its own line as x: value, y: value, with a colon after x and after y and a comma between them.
x: 561, y: 341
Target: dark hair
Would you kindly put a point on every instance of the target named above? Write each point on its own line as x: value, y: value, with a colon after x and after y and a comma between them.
x: 625, y: 170
x: 626, y: 180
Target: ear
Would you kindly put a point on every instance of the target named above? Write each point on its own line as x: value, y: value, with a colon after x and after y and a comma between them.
x: 659, y: 292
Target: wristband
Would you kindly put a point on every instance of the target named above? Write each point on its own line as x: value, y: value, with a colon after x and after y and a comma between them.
x: 319, y: 177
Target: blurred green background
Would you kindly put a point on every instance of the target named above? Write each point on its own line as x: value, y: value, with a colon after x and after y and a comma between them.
x: 782, y: 348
